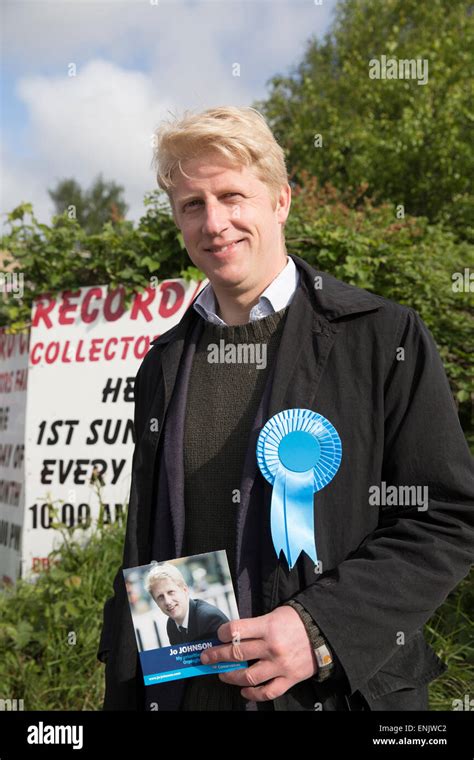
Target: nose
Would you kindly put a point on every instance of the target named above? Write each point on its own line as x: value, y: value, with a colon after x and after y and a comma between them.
x: 216, y: 219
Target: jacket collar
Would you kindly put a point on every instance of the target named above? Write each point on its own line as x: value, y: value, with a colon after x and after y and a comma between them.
x: 331, y: 298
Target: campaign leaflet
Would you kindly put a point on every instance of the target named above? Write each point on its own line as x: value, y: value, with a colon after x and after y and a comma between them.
x: 177, y: 607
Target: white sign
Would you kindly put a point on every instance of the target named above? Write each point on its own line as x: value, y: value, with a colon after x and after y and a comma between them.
x: 13, y: 380
x: 85, y: 351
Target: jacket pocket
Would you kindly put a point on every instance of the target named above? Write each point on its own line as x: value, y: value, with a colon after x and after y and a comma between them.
x: 414, y: 664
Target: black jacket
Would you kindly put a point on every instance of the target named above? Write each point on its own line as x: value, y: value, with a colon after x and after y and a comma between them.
x: 385, y: 569
x: 203, y: 622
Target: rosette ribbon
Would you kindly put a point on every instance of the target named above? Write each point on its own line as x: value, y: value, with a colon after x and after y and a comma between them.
x: 298, y: 452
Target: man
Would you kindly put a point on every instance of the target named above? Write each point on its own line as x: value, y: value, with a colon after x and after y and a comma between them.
x: 345, y: 633
x: 188, y: 619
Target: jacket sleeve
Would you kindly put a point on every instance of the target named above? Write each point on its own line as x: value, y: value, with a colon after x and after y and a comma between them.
x: 316, y: 638
x: 403, y: 571
x: 105, y: 643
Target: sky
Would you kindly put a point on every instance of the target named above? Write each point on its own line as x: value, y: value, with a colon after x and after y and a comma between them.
x: 136, y: 63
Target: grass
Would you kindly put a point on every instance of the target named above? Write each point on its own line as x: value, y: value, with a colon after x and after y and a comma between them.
x: 450, y: 633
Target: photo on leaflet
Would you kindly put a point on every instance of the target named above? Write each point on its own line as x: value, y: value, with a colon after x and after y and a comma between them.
x: 177, y: 607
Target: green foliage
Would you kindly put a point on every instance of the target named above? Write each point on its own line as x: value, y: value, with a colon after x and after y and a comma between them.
x: 93, y: 208
x: 37, y: 661
x: 408, y: 143
x: 64, y: 257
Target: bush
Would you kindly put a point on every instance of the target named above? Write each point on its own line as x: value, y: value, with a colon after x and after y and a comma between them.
x: 408, y: 143
x: 49, y: 634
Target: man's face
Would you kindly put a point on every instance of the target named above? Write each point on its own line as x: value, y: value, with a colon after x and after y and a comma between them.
x: 171, y: 598
x: 220, y: 204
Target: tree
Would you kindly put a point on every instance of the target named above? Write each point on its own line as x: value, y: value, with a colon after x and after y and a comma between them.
x: 410, y: 143
x: 92, y: 208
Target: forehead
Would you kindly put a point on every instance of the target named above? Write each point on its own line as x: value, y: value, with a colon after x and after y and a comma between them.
x: 163, y: 584
x: 210, y: 173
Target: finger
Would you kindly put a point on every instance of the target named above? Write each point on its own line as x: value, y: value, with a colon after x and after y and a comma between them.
x: 271, y: 690
x: 247, y: 628
x: 237, y: 651
x: 256, y: 674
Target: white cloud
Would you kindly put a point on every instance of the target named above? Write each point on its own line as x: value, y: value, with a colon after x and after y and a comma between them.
x: 22, y: 184
x: 135, y: 63
x: 54, y: 32
x: 101, y: 120
x: 104, y: 113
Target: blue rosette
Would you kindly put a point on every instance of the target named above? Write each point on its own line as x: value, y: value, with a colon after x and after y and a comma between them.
x: 298, y: 452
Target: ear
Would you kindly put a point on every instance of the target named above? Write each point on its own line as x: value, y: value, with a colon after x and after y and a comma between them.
x: 173, y: 211
x: 284, y: 203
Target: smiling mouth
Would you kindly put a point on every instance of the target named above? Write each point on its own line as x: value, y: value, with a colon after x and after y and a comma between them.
x: 224, y: 248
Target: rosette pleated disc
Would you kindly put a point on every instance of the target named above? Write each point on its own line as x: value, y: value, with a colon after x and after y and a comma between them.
x: 299, y: 439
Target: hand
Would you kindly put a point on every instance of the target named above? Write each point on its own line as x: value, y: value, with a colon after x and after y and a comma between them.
x: 279, y: 643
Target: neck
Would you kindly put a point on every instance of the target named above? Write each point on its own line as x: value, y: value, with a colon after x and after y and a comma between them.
x: 233, y: 308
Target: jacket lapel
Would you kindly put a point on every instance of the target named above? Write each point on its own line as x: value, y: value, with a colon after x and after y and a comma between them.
x: 173, y: 342
x: 309, y: 335
x: 305, y: 346
x: 170, y: 358
x: 192, y: 620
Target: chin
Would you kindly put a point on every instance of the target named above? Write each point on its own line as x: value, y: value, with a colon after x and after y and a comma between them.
x: 230, y: 272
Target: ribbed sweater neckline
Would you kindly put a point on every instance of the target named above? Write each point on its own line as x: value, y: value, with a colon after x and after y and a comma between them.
x: 259, y: 329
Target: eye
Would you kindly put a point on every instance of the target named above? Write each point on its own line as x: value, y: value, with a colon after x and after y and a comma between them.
x: 190, y: 203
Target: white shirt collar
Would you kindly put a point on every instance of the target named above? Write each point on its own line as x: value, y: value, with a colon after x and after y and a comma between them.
x: 274, y: 298
x: 185, y: 622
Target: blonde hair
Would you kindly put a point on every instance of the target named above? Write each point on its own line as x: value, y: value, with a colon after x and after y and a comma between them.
x: 240, y: 135
x: 158, y: 572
